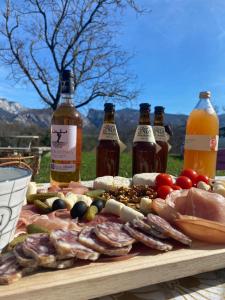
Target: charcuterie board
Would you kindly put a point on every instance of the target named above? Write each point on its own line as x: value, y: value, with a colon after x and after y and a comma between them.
x: 91, y: 280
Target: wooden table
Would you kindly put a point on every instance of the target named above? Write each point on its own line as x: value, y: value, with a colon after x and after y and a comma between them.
x: 104, y: 278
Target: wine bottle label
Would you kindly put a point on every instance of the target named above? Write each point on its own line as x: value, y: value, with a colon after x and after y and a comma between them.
x: 62, y: 167
x: 108, y: 132
x: 63, y: 147
x: 144, y: 133
x: 160, y: 133
x: 201, y: 142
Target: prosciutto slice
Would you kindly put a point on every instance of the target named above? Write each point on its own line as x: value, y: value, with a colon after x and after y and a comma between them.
x: 88, y: 238
x: 198, y: 203
x: 113, y: 234
x: 147, y: 240
x: 53, y: 223
x: 68, y: 245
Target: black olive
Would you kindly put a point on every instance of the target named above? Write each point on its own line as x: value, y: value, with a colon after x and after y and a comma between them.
x: 58, y: 204
x: 100, y: 204
x: 78, y: 210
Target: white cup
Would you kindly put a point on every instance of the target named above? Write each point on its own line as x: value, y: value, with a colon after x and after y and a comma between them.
x: 13, y: 188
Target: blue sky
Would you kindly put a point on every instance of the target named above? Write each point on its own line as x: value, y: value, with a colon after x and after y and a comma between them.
x: 179, y: 50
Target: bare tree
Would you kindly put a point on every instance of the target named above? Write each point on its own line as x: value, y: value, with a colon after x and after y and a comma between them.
x: 41, y: 38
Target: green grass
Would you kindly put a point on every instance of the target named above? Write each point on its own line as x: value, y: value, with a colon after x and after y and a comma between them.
x: 174, y: 166
x: 88, y: 166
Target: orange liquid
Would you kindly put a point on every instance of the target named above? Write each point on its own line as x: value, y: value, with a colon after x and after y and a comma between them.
x: 201, y: 122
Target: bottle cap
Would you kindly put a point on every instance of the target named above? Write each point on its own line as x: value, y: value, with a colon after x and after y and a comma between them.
x: 159, y: 109
x: 67, y: 82
x: 205, y: 94
x: 109, y: 107
x: 145, y: 106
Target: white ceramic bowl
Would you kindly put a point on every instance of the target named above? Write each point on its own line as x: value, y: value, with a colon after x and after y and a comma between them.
x: 13, y: 188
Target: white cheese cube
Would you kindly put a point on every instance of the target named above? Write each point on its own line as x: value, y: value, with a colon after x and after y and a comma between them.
x: 119, y: 181
x: 145, y: 205
x: 113, y: 207
x: 203, y: 186
x: 128, y: 214
x: 104, y: 183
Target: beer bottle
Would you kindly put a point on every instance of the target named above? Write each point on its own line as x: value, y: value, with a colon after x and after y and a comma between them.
x: 108, y: 149
x: 66, y: 136
x: 144, y: 145
x: 161, y: 138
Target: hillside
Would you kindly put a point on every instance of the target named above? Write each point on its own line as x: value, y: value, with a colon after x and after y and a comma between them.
x: 16, y: 119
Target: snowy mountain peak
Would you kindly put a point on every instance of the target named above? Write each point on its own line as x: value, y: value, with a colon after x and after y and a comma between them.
x: 11, y: 106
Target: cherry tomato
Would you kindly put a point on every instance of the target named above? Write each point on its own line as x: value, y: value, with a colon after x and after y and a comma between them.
x: 176, y: 187
x: 163, y: 179
x: 184, y: 182
x: 202, y: 178
x: 190, y: 174
x: 163, y: 191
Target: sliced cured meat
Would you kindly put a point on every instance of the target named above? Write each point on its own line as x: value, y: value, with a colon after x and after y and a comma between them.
x: 199, y: 203
x: 24, y: 259
x: 143, y: 226
x: 61, y: 264
x: 67, y: 245
x: 40, y: 247
x: 101, y: 218
x: 10, y: 270
x: 63, y: 214
x: 113, y: 234
x: 27, y: 216
x: 88, y: 238
x: 163, y: 226
x: 147, y: 240
x: 164, y: 210
x: 78, y: 188
x: 54, y: 223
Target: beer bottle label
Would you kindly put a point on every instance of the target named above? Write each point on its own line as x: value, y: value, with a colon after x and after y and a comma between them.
x: 108, y: 132
x: 63, y: 148
x: 201, y: 142
x: 144, y: 133
x: 160, y: 133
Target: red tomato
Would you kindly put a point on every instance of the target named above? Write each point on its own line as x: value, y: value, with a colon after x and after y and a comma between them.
x: 176, y: 187
x: 163, y: 179
x: 184, y: 182
x: 190, y: 174
x: 202, y: 178
x: 163, y: 191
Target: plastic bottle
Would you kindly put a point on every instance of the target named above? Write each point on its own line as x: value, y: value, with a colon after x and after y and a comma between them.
x: 202, y: 136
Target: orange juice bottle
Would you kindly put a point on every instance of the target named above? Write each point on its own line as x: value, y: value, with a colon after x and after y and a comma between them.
x: 201, y: 140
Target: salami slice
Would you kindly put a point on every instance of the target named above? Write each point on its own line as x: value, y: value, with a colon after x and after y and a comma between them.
x: 163, y: 226
x: 143, y: 226
x: 147, y: 240
x: 10, y: 270
x: 22, y: 258
x: 67, y: 245
x: 40, y: 247
x: 61, y: 264
x: 88, y: 238
x: 113, y: 234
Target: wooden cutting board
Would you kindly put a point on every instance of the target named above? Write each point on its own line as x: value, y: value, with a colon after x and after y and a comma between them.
x: 103, y: 278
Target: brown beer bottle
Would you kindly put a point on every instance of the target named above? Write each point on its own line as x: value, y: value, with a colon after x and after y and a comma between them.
x: 144, y: 145
x: 161, y: 139
x: 108, y: 149
x: 66, y: 136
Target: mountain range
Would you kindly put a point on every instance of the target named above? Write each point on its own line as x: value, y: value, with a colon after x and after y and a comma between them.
x: 14, y: 113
